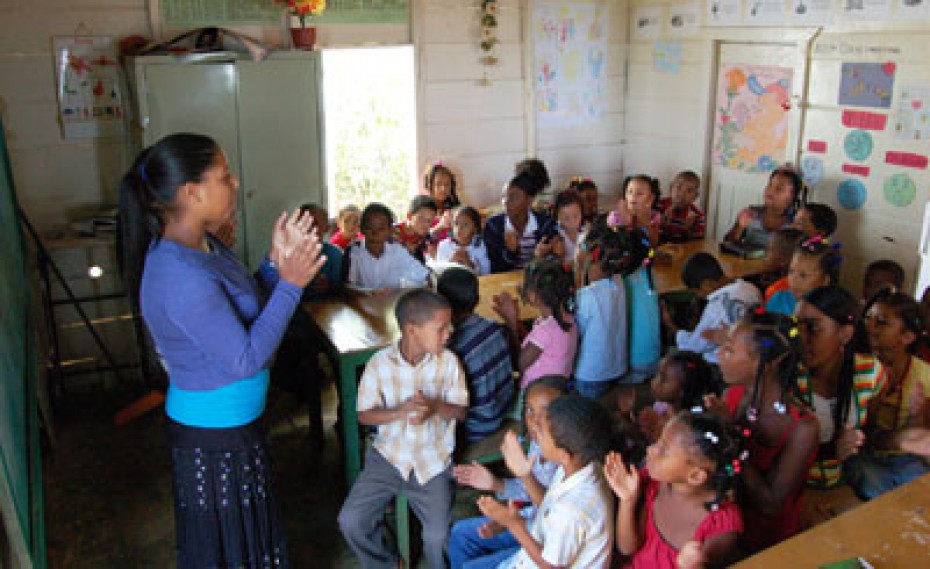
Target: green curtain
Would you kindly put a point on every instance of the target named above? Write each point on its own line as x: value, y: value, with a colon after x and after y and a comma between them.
x: 20, y: 458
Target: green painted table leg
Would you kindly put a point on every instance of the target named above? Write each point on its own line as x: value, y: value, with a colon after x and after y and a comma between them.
x: 348, y: 401
x: 403, y: 529
x: 348, y: 378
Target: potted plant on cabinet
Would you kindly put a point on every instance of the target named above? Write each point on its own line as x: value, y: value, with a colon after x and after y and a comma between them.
x: 304, y: 35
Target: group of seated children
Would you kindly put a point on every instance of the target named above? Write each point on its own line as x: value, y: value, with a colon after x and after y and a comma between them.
x: 438, y: 227
x: 786, y: 381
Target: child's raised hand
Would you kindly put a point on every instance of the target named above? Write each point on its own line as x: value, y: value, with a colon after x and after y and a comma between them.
x: 848, y: 443
x: 626, y: 399
x: 506, y: 306
x: 915, y: 441
x: 557, y: 246
x: 716, y: 335
x: 462, y: 257
x: 623, y: 479
x: 445, y: 221
x: 543, y: 248
x: 691, y: 556
x: 717, y: 406
x: 690, y: 219
x: 489, y: 529
x: 745, y: 217
x: 512, y: 241
x: 514, y: 457
x: 650, y: 423
x: 504, y: 515
x: 474, y: 475
x: 424, y: 408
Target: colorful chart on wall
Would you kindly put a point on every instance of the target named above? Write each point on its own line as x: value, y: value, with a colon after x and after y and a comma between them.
x: 570, y: 63
x: 912, y: 118
x: 858, y: 145
x: 752, y: 118
x: 867, y: 84
x: 812, y: 170
x: 90, y: 101
x: 851, y: 194
x: 900, y: 190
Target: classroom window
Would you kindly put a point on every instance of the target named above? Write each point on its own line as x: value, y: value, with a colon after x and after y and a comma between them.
x: 369, y: 98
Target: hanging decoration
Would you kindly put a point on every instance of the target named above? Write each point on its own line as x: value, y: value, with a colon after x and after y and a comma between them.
x: 489, y: 39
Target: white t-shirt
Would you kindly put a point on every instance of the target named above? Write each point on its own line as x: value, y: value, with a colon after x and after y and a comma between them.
x: 724, y: 307
x: 386, y: 271
x: 476, y: 252
x: 574, y: 523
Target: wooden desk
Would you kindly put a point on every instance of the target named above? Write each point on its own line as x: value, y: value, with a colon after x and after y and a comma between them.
x: 666, y: 271
x: 359, y: 325
x: 892, y: 531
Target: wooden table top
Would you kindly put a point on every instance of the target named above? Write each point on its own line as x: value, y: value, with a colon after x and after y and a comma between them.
x: 891, y: 531
x: 364, y: 322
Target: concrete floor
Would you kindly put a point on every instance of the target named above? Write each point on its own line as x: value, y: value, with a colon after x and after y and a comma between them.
x: 108, y: 489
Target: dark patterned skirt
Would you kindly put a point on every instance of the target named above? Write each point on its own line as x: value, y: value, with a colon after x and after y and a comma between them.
x: 224, y: 505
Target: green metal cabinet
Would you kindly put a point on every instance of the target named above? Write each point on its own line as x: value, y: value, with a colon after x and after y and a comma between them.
x: 267, y: 116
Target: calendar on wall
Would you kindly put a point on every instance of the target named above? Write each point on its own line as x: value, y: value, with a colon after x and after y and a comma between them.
x: 90, y: 93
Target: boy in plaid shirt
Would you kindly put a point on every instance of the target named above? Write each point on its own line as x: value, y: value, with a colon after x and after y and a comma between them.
x: 681, y: 219
x: 413, y: 392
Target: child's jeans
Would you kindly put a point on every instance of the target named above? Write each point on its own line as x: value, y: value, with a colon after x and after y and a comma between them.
x: 468, y: 550
x: 871, y: 475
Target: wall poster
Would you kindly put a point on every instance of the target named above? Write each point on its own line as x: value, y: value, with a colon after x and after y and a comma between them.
x: 867, y: 84
x: 912, y: 119
x: 570, y: 63
x: 90, y: 100
x: 752, y: 126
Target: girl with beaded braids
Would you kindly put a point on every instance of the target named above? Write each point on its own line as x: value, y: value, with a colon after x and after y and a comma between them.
x: 604, y: 259
x: 759, y: 362
x: 549, y: 348
x: 676, y: 511
x: 816, y: 262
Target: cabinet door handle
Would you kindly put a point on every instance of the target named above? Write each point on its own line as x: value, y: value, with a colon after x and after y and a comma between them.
x: 249, y: 194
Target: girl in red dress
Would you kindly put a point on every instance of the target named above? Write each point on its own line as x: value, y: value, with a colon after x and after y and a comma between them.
x: 676, y: 511
x: 759, y: 361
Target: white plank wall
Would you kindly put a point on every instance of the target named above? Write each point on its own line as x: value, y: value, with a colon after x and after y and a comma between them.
x: 594, y: 149
x: 53, y: 176
x: 476, y: 129
x: 482, y: 130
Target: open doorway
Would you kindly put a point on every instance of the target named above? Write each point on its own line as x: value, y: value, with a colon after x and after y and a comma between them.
x: 370, y: 110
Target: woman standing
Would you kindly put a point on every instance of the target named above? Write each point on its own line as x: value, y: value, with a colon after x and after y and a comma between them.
x: 216, y: 330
